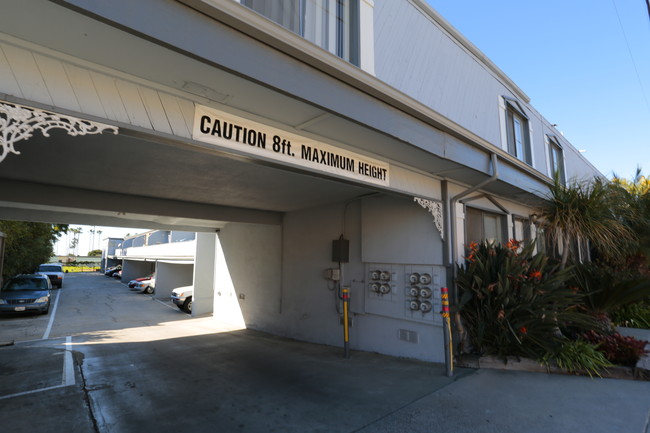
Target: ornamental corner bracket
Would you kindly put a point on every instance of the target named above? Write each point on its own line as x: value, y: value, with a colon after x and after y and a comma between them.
x: 19, y: 122
x: 435, y: 209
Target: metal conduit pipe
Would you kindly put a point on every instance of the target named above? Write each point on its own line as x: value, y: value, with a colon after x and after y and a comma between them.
x: 451, y: 236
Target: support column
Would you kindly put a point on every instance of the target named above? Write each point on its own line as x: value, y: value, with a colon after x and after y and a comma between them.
x: 204, y: 274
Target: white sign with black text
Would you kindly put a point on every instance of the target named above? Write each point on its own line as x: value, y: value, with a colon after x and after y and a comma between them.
x: 234, y: 132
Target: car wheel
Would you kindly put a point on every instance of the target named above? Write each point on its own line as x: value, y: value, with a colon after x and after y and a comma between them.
x: 187, y: 305
x: 148, y: 290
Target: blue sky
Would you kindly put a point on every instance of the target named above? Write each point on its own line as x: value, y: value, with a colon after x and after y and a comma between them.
x: 585, y: 64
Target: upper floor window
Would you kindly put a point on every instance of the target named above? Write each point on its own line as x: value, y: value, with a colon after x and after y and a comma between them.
x: 331, y: 24
x: 556, y: 159
x: 518, y: 132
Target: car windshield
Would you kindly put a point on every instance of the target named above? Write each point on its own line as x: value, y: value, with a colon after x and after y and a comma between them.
x: 24, y: 284
x: 49, y: 268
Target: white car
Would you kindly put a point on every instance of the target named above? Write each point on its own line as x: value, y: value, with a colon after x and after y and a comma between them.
x: 146, y: 286
x: 53, y: 271
x: 182, y: 296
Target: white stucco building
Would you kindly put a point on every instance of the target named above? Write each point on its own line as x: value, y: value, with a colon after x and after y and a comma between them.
x: 272, y: 129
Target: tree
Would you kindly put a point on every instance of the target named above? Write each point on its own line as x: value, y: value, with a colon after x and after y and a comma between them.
x: 74, y: 244
x: 593, y: 211
x: 28, y: 244
x: 95, y: 253
x: 636, y: 193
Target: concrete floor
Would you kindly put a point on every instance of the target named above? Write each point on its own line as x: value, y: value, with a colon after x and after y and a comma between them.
x: 133, y: 364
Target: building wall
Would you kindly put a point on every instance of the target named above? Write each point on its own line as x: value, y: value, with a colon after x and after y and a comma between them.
x: 384, y: 233
x: 172, y: 275
x: 250, y: 278
x: 418, y: 56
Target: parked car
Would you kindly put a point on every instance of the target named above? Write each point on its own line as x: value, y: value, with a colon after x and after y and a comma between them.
x: 117, y: 275
x: 26, y: 293
x: 146, y: 286
x: 132, y: 283
x: 112, y: 270
x: 53, y: 271
x: 182, y: 296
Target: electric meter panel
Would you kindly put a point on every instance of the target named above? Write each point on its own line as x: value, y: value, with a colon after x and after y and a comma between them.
x: 409, y: 292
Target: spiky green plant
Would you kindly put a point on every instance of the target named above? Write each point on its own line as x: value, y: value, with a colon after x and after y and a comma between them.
x: 592, y: 211
x: 605, y: 289
x: 577, y: 356
x: 515, y: 302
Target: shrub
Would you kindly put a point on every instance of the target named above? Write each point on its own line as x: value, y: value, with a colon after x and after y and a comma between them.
x: 515, y: 303
x: 633, y: 315
x: 607, y: 289
x: 617, y: 348
x: 578, y: 356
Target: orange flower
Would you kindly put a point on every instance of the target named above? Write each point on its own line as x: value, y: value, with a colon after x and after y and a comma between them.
x: 501, y: 315
x: 473, y: 246
x: 536, y: 274
x: 513, y: 245
x: 523, y: 330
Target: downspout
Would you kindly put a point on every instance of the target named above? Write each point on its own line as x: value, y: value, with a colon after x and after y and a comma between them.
x: 451, y: 235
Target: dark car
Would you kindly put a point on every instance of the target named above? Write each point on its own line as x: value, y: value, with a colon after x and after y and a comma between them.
x: 110, y: 272
x: 26, y: 293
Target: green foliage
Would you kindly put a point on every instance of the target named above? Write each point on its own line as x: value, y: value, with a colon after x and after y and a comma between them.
x: 591, y: 211
x: 578, y: 356
x: 95, y: 253
x: 635, y: 315
x: 515, y: 302
x: 28, y: 244
x: 606, y: 289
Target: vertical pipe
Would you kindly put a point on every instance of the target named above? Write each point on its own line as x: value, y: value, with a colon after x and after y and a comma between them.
x: 446, y: 322
x: 346, y: 325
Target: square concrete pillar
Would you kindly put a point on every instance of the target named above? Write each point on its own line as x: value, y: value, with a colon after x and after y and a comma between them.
x: 204, y: 274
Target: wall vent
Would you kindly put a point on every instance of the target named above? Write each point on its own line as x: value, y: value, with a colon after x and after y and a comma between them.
x: 408, y: 336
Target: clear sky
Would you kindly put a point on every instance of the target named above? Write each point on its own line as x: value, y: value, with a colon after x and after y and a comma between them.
x: 89, y: 241
x: 585, y: 64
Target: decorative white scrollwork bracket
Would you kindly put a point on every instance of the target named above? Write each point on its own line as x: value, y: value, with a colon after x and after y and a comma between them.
x: 435, y: 209
x: 18, y: 122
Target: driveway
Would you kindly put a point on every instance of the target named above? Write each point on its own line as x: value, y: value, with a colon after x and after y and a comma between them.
x: 117, y: 361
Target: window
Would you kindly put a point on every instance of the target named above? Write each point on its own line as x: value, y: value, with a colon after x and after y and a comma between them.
x: 555, y: 158
x: 522, y: 229
x: 518, y: 132
x: 331, y: 24
x: 483, y: 225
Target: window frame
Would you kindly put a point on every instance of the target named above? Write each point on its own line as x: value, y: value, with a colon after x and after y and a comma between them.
x: 517, y: 141
x: 336, y: 28
x: 555, y: 147
x: 502, y: 218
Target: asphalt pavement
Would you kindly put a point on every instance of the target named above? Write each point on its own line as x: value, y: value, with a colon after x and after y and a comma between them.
x: 117, y: 361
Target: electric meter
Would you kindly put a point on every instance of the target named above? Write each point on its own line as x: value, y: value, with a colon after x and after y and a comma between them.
x: 425, y: 306
x: 425, y: 279
x: 414, y: 278
x: 425, y: 292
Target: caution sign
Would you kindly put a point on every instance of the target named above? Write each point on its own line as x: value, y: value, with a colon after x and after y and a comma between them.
x: 234, y: 132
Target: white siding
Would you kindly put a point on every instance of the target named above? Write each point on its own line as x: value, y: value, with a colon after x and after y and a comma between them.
x: 78, y: 88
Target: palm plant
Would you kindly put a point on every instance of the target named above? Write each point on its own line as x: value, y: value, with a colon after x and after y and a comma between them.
x: 592, y: 211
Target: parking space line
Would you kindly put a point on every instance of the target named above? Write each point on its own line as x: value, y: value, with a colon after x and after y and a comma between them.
x: 67, y: 375
x: 164, y: 303
x: 33, y: 391
x: 68, y: 364
x: 52, y: 314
